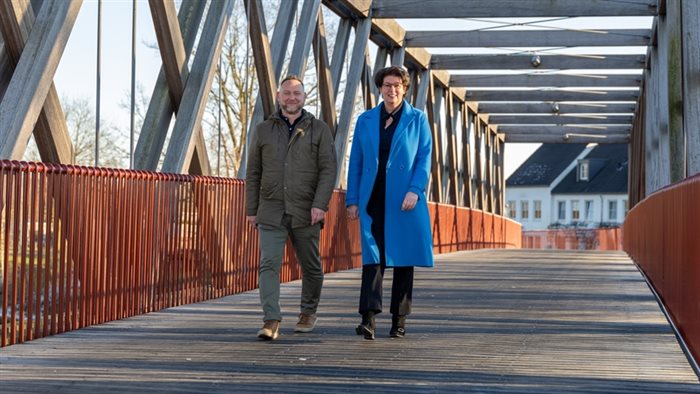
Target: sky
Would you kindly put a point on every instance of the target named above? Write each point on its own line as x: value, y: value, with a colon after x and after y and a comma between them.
x: 76, y: 74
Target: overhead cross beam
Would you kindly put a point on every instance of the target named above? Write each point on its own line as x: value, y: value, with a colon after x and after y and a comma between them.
x: 546, y: 62
x: 545, y: 80
x: 552, y: 107
x: 511, y: 8
x: 527, y: 38
x: 560, y: 119
x: 553, y: 95
x: 568, y: 138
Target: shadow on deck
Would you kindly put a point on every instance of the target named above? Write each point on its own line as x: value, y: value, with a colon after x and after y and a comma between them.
x: 520, y: 321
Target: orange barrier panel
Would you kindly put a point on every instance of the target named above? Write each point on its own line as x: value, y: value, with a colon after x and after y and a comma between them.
x: 82, y: 246
x: 660, y: 237
x: 574, y: 239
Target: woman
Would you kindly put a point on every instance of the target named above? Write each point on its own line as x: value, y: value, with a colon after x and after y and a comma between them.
x: 387, y: 177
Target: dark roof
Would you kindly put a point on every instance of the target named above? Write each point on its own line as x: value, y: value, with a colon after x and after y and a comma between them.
x: 610, y: 178
x: 545, y: 164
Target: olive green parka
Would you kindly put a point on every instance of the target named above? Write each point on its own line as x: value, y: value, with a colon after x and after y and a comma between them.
x: 289, y: 174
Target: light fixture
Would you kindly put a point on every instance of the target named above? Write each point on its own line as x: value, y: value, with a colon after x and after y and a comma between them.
x: 555, y: 108
x: 536, y: 60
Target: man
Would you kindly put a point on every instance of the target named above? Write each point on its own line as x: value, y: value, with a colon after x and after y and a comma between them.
x: 289, y: 181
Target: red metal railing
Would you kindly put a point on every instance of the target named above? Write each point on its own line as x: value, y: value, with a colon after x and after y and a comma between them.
x: 661, y: 236
x: 81, y: 246
x: 574, y: 239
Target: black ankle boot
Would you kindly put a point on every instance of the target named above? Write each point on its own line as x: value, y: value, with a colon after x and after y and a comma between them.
x: 366, y: 328
x: 398, y: 324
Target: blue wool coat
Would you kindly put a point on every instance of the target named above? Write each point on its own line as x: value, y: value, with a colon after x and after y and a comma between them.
x: 408, y: 239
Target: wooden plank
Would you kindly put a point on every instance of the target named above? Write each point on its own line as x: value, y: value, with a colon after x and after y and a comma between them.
x: 422, y: 92
x: 568, y: 138
x: 160, y: 109
x: 553, y: 95
x: 368, y: 92
x: 467, y: 175
x: 545, y: 80
x: 379, y: 62
x: 564, y: 108
x: 488, y: 168
x: 262, y: 55
x: 528, y: 38
x: 561, y: 119
x: 33, y: 77
x: 171, y: 46
x: 548, y: 62
x: 340, y: 50
x: 691, y: 83
x: 478, y: 165
x: 50, y: 132
x: 500, y: 178
x: 675, y: 73
x: 304, y: 35
x: 491, y: 321
x: 593, y: 130
x: 182, y: 141
x: 357, y: 62
x: 433, y: 118
x: 6, y: 69
x: 397, y: 56
x: 323, y: 69
x: 451, y: 111
x: 511, y: 8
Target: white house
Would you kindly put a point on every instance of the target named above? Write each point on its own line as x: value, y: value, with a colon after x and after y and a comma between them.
x: 570, y: 185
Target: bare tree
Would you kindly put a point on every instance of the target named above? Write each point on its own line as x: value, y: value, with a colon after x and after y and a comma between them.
x: 80, y: 119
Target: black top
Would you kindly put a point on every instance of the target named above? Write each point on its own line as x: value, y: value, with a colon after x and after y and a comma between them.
x: 375, y: 206
x: 292, y: 126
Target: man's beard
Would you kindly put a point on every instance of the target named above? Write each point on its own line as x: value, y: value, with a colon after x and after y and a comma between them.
x: 286, y: 108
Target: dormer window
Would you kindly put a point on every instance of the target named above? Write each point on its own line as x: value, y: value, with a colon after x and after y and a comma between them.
x: 582, y: 170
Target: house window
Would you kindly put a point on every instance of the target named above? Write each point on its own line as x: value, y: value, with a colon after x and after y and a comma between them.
x: 575, y: 213
x: 627, y: 206
x: 524, y: 209
x: 511, y: 209
x: 588, y: 210
x: 562, y: 210
x: 583, y: 171
x: 538, y: 209
x: 612, y: 210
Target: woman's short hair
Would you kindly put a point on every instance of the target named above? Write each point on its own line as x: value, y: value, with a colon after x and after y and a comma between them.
x: 395, y: 71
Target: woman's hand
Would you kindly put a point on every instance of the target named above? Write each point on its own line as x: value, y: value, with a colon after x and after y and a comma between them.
x: 352, y: 212
x: 409, y: 202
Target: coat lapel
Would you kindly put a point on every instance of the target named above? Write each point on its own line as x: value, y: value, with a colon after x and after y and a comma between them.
x: 373, y: 131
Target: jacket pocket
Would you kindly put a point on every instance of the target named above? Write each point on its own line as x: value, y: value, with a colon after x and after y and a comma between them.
x: 267, y: 190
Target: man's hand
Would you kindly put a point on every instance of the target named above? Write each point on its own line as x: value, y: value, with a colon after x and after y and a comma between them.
x: 409, y: 202
x: 317, y: 215
x: 352, y: 212
x: 252, y: 220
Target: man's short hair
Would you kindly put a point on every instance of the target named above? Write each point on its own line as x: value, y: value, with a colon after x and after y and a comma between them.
x: 395, y: 71
x: 292, y: 77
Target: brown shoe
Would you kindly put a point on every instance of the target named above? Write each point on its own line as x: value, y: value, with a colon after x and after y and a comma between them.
x: 270, y: 331
x: 306, y: 322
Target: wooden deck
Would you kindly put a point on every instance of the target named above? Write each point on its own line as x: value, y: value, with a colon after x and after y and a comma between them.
x: 496, y: 321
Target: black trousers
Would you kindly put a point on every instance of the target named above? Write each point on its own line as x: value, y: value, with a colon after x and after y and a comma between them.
x: 373, y: 277
x: 371, y: 290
